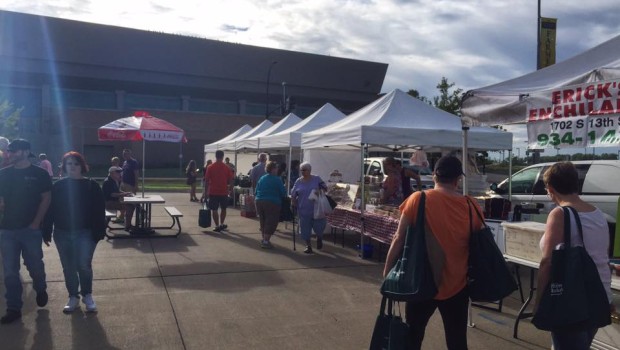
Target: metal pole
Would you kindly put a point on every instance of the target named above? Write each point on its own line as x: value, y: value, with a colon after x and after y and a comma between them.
x: 362, y: 187
x: 538, y: 39
x: 284, y: 110
x: 267, y: 95
x: 181, y: 157
x: 465, y: 159
x: 143, y: 162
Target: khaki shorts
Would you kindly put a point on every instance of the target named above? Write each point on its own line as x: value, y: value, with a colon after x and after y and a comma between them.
x: 125, y: 187
x: 113, y: 205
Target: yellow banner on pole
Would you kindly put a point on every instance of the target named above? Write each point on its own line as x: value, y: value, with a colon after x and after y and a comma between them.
x: 546, y: 46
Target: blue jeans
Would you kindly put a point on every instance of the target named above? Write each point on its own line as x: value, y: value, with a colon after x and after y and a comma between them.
x: 307, y: 224
x: 573, y: 340
x: 76, y: 250
x: 24, y: 242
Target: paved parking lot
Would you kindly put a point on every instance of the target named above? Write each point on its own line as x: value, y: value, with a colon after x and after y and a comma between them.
x: 207, y: 290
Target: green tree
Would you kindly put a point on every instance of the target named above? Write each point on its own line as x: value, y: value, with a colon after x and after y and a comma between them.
x: 449, y: 99
x: 9, y: 119
x: 416, y: 94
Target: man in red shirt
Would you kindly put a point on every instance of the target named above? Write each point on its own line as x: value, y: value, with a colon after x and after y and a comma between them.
x: 219, y: 181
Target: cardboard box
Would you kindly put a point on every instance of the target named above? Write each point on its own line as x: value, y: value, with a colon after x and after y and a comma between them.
x: 523, y: 239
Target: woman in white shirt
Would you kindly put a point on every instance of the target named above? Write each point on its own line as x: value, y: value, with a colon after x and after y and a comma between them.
x: 562, y: 185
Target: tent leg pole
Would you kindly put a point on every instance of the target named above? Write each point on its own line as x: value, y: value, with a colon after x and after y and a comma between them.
x: 465, y: 160
x: 288, y: 173
x: 362, y: 183
x: 143, y: 162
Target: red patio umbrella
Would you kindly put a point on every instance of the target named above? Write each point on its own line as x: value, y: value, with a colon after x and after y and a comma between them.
x: 141, y: 127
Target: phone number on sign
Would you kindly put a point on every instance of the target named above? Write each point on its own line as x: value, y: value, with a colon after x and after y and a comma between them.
x: 607, y: 138
x: 577, y: 132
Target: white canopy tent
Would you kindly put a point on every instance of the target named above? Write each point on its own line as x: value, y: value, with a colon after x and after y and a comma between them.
x: 396, y: 121
x: 253, y: 142
x: 291, y: 137
x: 507, y: 102
x: 400, y: 121
x: 231, y: 145
x: 212, y: 147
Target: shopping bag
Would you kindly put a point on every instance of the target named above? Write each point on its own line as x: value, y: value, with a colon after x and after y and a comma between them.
x: 575, y: 298
x: 390, y: 332
x: 411, y: 278
x: 332, y: 202
x: 488, y: 276
x: 204, y: 216
x: 323, y: 202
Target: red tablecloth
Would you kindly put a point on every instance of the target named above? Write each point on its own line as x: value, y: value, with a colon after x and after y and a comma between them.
x: 379, y: 227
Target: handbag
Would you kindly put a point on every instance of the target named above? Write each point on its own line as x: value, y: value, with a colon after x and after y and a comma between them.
x: 411, y: 278
x: 204, y: 216
x: 390, y: 332
x: 575, y: 298
x: 488, y: 276
x: 332, y: 202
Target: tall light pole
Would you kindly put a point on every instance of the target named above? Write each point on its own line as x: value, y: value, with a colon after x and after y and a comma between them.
x: 538, y: 39
x: 267, y: 95
x: 284, y: 110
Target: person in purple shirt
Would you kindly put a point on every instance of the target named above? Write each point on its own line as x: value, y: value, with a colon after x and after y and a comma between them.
x: 302, y: 188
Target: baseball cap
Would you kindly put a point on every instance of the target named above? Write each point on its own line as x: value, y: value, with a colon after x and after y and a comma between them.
x: 448, y: 167
x: 19, y: 145
x: 114, y: 168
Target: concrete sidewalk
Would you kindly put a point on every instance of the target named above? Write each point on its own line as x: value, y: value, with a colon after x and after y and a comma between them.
x: 207, y: 290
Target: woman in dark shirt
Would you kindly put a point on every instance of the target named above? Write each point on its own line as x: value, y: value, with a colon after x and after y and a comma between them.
x: 76, y: 217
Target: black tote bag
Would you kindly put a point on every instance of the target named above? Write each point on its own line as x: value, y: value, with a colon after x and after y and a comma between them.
x: 575, y: 298
x: 411, y: 278
x: 488, y: 276
x: 204, y: 216
x: 390, y: 332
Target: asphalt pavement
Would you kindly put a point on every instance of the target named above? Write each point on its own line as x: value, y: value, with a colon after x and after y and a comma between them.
x: 209, y: 290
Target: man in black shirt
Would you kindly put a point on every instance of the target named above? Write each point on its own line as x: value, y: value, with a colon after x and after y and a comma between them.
x: 25, y: 195
x: 113, y: 195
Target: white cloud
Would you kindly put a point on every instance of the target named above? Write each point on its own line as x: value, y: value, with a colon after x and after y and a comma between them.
x: 472, y: 43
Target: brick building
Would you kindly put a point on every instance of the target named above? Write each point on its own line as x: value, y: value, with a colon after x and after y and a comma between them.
x: 72, y: 77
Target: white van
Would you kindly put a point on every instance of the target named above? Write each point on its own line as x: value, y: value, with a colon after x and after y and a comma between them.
x: 599, y: 185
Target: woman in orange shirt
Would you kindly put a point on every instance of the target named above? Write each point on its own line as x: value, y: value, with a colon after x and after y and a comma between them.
x: 447, y: 217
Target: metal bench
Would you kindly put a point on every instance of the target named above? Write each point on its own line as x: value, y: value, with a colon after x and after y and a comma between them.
x: 175, y: 214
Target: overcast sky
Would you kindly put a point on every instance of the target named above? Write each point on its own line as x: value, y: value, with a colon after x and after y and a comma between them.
x: 473, y: 43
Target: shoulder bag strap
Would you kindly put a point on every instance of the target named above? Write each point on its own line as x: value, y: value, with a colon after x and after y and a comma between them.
x: 471, y: 223
x: 566, y: 227
x: 421, y: 209
x: 579, y: 227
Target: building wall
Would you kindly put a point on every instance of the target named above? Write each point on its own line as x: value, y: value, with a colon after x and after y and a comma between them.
x: 72, y: 77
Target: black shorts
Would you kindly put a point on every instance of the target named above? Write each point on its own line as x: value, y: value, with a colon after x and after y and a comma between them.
x: 216, y: 202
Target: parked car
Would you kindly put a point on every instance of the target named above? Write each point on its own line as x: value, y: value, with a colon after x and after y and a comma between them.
x: 374, y: 167
x: 599, y: 185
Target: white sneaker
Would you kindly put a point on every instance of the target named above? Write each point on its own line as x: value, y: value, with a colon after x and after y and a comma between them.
x: 90, y: 303
x: 72, y: 304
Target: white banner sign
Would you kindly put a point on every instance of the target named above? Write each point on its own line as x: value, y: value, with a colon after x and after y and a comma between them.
x: 585, y: 115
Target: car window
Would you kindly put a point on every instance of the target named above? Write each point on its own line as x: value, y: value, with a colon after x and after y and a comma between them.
x: 539, y: 186
x: 375, y: 168
x: 602, y: 179
x: 522, y: 182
